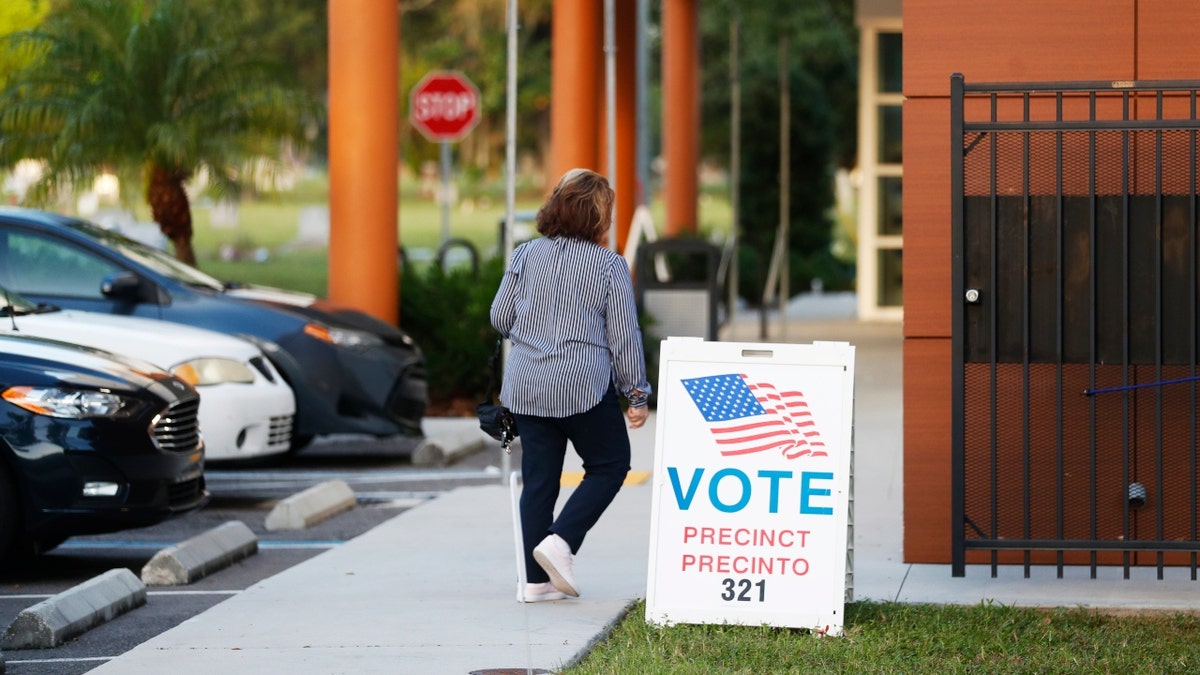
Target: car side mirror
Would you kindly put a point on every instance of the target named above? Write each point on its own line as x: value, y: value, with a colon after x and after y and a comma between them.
x: 121, y: 286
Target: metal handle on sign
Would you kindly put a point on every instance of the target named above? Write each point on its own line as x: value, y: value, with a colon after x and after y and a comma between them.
x: 758, y: 353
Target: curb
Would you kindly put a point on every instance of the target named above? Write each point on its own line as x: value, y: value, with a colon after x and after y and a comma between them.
x: 61, y: 617
x: 201, y: 555
x: 449, y: 448
x: 311, y: 506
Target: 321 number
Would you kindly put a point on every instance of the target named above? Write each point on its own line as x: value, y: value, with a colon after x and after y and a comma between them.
x: 742, y: 590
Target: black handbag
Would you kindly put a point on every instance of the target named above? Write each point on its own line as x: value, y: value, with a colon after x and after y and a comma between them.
x: 496, y: 420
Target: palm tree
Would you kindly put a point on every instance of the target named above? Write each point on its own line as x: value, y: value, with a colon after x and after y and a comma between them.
x: 160, y: 88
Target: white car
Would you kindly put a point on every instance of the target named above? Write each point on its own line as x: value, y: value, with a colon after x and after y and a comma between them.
x: 246, y: 407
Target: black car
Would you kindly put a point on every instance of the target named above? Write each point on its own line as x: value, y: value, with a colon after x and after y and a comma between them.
x: 91, y: 442
x: 351, y: 373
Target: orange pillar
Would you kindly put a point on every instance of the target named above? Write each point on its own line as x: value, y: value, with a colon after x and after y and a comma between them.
x: 577, y: 94
x: 681, y: 113
x: 364, y: 76
x: 627, y: 121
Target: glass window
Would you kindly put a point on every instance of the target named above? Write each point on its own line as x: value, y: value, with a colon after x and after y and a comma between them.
x: 891, y: 60
x: 891, y: 219
x: 39, y: 266
x: 891, y: 135
x: 156, y: 259
x: 891, y: 277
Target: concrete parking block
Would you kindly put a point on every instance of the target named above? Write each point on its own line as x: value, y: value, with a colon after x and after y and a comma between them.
x: 448, y: 448
x: 66, y: 615
x: 311, y: 506
x: 201, y: 555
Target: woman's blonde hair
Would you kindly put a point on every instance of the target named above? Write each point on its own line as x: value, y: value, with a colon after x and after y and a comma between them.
x: 580, y: 207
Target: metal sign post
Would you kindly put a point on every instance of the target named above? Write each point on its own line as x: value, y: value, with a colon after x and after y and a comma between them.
x: 444, y: 107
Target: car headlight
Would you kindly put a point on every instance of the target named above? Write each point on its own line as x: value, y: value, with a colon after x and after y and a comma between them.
x: 341, y: 337
x: 71, y: 403
x: 209, y: 371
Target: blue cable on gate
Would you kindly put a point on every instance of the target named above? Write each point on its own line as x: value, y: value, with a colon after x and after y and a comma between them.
x: 1128, y: 387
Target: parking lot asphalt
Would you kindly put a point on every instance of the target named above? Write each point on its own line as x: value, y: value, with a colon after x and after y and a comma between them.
x: 432, y: 590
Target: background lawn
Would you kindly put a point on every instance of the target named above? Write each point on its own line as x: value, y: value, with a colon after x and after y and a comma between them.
x: 289, y: 258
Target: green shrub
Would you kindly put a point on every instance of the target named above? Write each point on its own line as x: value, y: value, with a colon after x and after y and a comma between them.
x: 446, y: 312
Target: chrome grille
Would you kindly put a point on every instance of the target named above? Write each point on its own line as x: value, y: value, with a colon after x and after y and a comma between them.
x: 185, y: 493
x: 280, y: 434
x: 177, y: 429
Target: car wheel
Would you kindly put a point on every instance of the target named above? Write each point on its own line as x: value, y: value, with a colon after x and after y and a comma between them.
x: 10, y: 514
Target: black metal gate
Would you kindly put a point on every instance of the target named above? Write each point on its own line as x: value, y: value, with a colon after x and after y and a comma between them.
x: 1075, y: 386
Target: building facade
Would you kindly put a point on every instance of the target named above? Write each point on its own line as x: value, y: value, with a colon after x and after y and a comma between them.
x: 1004, y: 41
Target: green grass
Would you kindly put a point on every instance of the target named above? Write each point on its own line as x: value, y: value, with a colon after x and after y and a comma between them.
x: 306, y: 271
x: 274, y: 227
x: 272, y: 224
x: 910, y: 638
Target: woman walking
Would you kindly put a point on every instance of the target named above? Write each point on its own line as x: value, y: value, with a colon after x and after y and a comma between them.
x: 566, y: 305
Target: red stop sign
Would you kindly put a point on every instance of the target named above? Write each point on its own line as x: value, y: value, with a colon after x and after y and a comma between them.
x: 444, y: 106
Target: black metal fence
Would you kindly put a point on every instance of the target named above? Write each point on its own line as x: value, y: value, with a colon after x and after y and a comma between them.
x: 1075, y: 308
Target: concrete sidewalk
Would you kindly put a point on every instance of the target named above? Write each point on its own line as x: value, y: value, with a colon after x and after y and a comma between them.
x: 433, y: 590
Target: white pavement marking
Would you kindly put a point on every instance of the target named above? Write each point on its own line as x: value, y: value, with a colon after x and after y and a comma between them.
x: 78, y: 659
x: 157, y: 593
x: 367, y: 476
x: 158, y: 544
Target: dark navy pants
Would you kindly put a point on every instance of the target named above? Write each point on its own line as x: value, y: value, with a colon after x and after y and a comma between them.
x: 602, y: 442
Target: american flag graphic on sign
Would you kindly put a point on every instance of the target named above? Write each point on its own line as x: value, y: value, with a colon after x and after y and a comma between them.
x: 747, y: 417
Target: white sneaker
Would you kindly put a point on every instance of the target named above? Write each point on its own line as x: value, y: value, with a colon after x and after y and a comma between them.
x: 542, y: 592
x: 554, y: 555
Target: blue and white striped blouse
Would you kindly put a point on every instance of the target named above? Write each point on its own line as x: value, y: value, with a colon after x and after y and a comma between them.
x: 567, y: 306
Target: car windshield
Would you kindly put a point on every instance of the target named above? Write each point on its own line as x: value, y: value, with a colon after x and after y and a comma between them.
x: 157, y: 260
x: 12, y: 304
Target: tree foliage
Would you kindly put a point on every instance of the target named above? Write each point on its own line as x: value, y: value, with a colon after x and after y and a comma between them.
x: 18, y: 15
x: 296, y: 36
x: 156, y: 90
x: 188, y: 86
x: 472, y: 36
x: 822, y: 81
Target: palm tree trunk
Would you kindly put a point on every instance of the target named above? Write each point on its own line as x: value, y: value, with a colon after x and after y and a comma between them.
x: 170, y: 208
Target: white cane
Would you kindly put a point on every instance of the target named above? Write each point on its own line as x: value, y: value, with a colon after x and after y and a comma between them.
x: 514, y: 480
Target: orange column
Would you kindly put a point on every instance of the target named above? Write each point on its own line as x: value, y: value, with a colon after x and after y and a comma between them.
x: 576, y: 69
x: 364, y: 76
x: 681, y: 113
x: 627, y: 187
